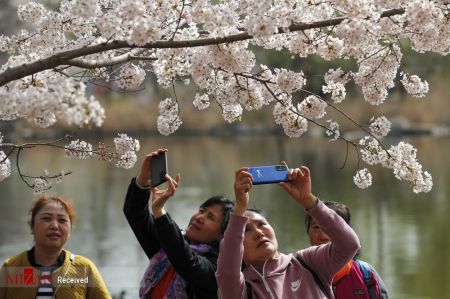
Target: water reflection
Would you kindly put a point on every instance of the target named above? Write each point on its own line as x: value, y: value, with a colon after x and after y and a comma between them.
x: 404, y: 235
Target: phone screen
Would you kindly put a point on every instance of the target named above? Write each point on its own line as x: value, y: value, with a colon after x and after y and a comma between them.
x: 158, y: 166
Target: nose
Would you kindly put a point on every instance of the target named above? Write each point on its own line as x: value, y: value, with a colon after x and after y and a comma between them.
x: 54, y: 224
x: 258, y: 234
x: 200, y: 218
x: 323, y: 237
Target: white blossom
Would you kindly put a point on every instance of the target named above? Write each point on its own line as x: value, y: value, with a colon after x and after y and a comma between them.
x: 84, y: 8
x: 294, y: 125
x: 168, y: 120
x: 330, y: 48
x: 414, y: 85
x: 371, y: 151
x: 312, y: 107
x: 231, y: 112
x: 336, y: 76
x: 31, y: 12
x: 125, y: 144
x: 337, y: 91
x: 380, y: 126
x: 127, y: 160
x: 143, y: 31
x: 290, y: 81
x: 5, y: 166
x: 201, y: 101
x: 333, y: 130
x: 40, y: 185
x: 79, y: 149
x: 131, y: 77
x: 60, y: 177
x: 363, y: 178
x: 403, y: 162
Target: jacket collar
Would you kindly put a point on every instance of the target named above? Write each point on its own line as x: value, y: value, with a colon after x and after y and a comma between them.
x: 58, y: 263
x: 272, y: 267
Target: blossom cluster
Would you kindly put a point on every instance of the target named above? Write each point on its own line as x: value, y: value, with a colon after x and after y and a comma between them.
x: 5, y: 166
x: 414, y: 85
x: 45, y: 181
x: 168, y: 120
x: 46, y: 98
x: 126, y: 147
x: 131, y: 77
x: 401, y: 158
x: 380, y: 126
x: 125, y: 151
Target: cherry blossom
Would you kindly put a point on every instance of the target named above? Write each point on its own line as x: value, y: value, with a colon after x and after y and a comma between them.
x: 212, y: 47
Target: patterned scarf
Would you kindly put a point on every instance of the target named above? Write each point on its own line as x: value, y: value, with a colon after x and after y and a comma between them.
x: 157, y: 268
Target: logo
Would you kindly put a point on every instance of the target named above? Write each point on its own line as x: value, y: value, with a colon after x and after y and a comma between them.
x: 22, y: 277
x: 258, y: 172
x: 295, y: 285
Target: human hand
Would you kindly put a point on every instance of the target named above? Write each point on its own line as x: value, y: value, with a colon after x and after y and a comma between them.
x: 160, y: 196
x: 242, y: 185
x: 143, y: 179
x: 299, y: 186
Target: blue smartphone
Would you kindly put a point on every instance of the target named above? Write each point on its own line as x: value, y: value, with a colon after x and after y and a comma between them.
x: 269, y: 174
x: 158, y: 165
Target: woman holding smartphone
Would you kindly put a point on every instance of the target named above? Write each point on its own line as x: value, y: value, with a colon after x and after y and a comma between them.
x: 48, y: 270
x: 182, y: 263
x: 250, y: 265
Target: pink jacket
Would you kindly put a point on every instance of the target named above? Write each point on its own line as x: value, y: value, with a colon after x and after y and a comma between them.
x: 284, y: 277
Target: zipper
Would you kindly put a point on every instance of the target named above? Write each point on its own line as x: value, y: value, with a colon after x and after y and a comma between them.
x: 266, y: 285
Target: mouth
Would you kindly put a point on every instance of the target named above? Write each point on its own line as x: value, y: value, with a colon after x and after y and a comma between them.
x: 262, y: 243
x: 194, y: 225
x: 54, y: 236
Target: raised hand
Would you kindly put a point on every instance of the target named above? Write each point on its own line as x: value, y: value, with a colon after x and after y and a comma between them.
x: 242, y: 185
x: 160, y: 196
x: 143, y: 179
x: 299, y: 186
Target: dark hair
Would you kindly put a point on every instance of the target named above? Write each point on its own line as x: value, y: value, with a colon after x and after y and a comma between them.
x: 338, y: 207
x: 227, y: 206
x: 257, y: 211
x: 40, y: 202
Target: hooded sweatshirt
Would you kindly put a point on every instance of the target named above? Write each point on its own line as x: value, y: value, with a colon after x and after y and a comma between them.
x: 283, y: 276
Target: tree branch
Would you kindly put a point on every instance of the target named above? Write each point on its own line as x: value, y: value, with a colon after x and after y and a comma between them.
x: 107, y: 62
x: 64, y: 58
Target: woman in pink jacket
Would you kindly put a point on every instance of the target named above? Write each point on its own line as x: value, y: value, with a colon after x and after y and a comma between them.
x: 249, y: 264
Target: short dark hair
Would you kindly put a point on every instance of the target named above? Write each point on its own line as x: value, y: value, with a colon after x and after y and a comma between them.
x: 338, y: 207
x: 227, y: 206
x: 257, y: 211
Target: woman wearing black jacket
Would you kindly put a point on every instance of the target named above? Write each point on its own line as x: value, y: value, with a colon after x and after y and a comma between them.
x: 182, y: 264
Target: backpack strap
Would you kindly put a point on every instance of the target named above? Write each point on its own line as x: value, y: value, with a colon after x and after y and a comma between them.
x: 367, y: 275
x: 315, y: 276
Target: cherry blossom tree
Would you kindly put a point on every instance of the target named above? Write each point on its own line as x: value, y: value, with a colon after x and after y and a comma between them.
x: 210, y: 45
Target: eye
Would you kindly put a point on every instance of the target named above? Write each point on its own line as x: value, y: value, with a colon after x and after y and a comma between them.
x: 261, y: 224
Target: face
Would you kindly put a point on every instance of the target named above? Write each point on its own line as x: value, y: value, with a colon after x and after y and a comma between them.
x: 204, y: 226
x: 316, y: 235
x: 51, y: 227
x: 260, y: 242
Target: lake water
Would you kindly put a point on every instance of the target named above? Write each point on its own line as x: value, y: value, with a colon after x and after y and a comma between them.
x: 404, y: 235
